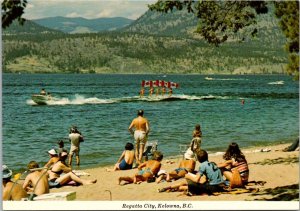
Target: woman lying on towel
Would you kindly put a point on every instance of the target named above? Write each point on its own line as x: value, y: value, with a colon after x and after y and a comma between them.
x: 235, y: 168
x: 60, y: 174
x: 147, y: 170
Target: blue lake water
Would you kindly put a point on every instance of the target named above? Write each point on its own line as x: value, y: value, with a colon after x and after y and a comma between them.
x: 102, y: 107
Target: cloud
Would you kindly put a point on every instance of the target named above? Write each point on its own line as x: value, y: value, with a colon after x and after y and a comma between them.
x: 86, y: 8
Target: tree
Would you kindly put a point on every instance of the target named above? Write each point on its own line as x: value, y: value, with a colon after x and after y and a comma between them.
x: 11, y: 10
x: 218, y: 20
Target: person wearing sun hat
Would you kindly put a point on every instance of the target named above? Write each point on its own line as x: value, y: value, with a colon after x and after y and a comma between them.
x: 11, y: 190
x: 53, y: 158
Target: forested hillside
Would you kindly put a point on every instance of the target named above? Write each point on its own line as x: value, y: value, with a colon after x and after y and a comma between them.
x: 141, y: 49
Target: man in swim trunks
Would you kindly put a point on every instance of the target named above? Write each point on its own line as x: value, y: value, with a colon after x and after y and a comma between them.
x: 140, y: 134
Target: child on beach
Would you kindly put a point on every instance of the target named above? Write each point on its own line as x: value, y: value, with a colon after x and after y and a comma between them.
x: 208, y: 180
x: 126, y: 159
x: 235, y: 168
x: 147, y: 170
x: 195, y: 143
x: 61, y: 148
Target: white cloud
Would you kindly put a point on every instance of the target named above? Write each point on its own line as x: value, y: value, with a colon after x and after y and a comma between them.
x: 86, y: 8
x: 105, y: 13
x: 72, y: 15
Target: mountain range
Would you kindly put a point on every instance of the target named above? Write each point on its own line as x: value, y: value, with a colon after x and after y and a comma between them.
x: 83, y: 25
x: 154, y: 43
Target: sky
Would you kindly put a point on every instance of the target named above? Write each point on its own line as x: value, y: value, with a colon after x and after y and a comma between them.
x: 89, y: 9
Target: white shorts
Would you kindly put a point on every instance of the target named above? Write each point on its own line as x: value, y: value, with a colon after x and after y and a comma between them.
x: 140, y: 137
x: 74, y: 150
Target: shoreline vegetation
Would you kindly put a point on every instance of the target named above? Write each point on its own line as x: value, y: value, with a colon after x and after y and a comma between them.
x: 275, y: 172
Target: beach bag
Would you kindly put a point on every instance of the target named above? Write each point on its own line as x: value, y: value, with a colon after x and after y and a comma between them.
x: 236, y: 181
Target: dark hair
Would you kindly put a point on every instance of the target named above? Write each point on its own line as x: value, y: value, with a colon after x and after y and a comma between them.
x: 74, y: 129
x: 61, y: 143
x: 197, y: 127
x: 32, y: 165
x: 140, y: 112
x: 157, y: 155
x: 233, y: 151
x: 202, y: 155
x: 129, y: 146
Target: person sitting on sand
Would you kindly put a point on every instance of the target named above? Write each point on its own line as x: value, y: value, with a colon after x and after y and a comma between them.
x: 61, y: 174
x: 53, y: 158
x: 11, y: 190
x: 185, y: 166
x: 208, y: 180
x: 147, y: 170
x: 126, y: 159
x: 235, y: 166
x: 37, y: 180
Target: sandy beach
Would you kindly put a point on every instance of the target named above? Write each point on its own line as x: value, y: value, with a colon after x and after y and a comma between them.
x: 279, y: 170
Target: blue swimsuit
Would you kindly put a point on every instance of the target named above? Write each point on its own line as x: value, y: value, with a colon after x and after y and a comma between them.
x: 124, y: 166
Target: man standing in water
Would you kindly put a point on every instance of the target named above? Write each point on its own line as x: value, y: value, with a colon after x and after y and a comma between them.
x: 140, y: 134
x: 75, y: 139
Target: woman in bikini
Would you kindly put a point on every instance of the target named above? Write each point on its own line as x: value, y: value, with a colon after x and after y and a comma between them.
x: 60, y: 174
x: 235, y: 160
x: 147, y: 170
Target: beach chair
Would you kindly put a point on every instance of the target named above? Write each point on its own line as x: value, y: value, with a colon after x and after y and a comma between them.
x: 183, y: 148
x: 150, y: 148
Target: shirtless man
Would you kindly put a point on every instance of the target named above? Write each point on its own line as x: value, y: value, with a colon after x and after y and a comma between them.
x: 37, y: 181
x: 11, y: 190
x: 140, y: 134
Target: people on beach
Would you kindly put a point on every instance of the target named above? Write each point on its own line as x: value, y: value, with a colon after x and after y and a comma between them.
x: 140, y: 134
x: 195, y: 143
x: 53, y: 158
x: 37, y: 180
x: 60, y: 174
x: 185, y: 166
x: 11, y: 190
x: 61, y: 148
x: 75, y: 138
x: 235, y: 168
x: 146, y: 171
x: 126, y: 159
x: 196, y: 184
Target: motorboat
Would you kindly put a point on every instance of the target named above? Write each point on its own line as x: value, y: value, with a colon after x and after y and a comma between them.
x: 41, y: 99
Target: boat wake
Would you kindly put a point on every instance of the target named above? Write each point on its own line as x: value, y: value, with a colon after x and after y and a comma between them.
x: 81, y: 100
x: 225, y: 79
x: 276, y: 83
